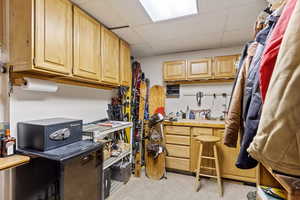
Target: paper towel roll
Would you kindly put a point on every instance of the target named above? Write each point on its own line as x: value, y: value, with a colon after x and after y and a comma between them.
x: 39, y: 85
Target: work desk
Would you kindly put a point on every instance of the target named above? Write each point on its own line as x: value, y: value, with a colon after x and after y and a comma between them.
x: 13, y: 161
x: 183, y: 148
x: 197, y: 123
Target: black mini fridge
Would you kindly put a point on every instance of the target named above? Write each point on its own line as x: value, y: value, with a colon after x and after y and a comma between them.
x: 71, y: 172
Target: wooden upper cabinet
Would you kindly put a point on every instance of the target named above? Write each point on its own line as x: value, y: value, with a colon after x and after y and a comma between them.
x: 110, y: 49
x: 87, y: 60
x: 53, y: 35
x: 125, y: 64
x: 200, y: 69
x: 174, y: 70
x: 225, y: 66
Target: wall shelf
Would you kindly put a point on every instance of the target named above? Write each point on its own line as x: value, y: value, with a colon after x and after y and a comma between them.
x: 112, y: 160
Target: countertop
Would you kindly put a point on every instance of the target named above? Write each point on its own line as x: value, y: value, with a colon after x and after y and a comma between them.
x: 13, y: 161
x: 197, y: 123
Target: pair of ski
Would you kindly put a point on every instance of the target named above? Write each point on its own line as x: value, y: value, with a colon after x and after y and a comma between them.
x: 140, y: 95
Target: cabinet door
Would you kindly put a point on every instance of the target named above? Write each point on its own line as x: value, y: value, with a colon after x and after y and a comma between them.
x: 225, y: 66
x: 53, y: 36
x: 200, y: 69
x: 87, y: 61
x: 125, y: 64
x: 174, y: 70
x: 110, y: 57
x: 228, y: 158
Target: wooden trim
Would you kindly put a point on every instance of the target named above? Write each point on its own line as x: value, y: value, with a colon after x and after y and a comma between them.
x: 195, y: 124
x: 63, y: 80
x: 200, y: 81
x: 13, y: 161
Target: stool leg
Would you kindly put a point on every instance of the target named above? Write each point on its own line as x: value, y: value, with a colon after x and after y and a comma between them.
x: 218, y: 170
x: 197, y: 181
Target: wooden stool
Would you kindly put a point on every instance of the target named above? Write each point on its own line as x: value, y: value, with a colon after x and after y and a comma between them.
x: 207, y: 139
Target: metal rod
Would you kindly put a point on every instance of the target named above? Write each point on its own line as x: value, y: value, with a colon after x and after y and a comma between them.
x: 118, y: 27
x: 220, y: 94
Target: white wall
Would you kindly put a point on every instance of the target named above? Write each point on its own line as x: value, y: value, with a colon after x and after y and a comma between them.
x: 152, y: 67
x: 74, y: 102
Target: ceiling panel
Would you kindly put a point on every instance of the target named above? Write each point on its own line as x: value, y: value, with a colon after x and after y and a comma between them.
x: 131, y: 11
x: 242, y: 16
x: 220, y: 23
x: 185, y: 44
x: 102, y: 11
x: 129, y: 35
x: 237, y: 37
x: 210, y: 6
x: 142, y: 50
x: 182, y: 28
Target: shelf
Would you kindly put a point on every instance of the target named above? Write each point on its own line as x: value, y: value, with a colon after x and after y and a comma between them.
x: 112, y: 160
x: 13, y: 161
x: 93, y: 131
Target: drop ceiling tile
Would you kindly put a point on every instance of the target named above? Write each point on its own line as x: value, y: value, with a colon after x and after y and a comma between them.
x: 188, y: 44
x: 238, y: 37
x: 101, y: 11
x: 131, y: 11
x: 181, y: 28
x: 142, y: 50
x: 235, y: 3
x: 242, y: 16
x: 129, y: 35
x: 205, y: 6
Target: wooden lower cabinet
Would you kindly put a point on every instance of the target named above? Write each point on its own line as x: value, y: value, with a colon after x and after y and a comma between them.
x: 228, y: 158
x: 178, y: 151
x: 178, y: 130
x: 176, y: 139
x: 183, y: 152
x: 178, y: 163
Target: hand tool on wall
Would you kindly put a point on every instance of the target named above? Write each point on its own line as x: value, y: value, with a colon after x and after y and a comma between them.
x: 199, y: 96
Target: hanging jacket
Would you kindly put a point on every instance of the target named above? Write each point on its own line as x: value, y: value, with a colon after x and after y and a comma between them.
x: 252, y: 100
x: 272, y: 48
x: 277, y: 143
x: 233, y: 123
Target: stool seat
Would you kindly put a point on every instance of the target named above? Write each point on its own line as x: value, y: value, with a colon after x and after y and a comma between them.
x: 208, y: 138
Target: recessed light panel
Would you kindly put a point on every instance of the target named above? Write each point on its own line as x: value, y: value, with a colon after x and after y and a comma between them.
x: 160, y: 10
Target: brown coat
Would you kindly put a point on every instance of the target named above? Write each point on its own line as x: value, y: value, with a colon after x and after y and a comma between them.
x: 277, y: 143
x: 234, y: 123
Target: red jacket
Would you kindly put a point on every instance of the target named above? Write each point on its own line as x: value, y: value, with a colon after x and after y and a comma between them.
x: 272, y: 47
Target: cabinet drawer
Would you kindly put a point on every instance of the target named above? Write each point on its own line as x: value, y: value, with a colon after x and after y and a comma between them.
x: 178, y: 163
x: 177, y: 130
x: 202, y: 131
x: 178, y: 151
x: 176, y: 139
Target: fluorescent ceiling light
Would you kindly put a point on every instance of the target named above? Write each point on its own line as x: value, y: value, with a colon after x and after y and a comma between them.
x: 160, y: 10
